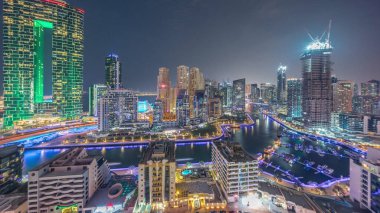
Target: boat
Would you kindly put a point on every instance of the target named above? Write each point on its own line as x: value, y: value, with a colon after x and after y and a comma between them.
x: 269, y: 150
x: 277, y: 142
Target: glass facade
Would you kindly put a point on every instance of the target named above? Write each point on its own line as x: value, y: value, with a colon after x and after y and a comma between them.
x: 294, y: 100
x: 24, y: 24
x: 238, y: 97
x: 113, y: 71
x: 316, y: 85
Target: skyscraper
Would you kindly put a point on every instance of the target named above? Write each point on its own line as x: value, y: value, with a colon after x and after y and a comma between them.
x: 268, y: 92
x: 343, y: 92
x: 226, y: 93
x: 182, y: 77
x: 255, y: 93
x: 281, y: 84
x: 113, y: 71
x: 117, y: 109
x: 294, y: 100
x: 183, y: 108
x: 163, y: 88
x: 196, y: 82
x: 27, y: 23
x: 238, y: 97
x: 317, y: 89
x: 371, y: 88
x: 96, y: 91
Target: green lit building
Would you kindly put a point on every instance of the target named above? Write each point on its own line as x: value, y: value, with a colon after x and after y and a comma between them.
x: 27, y: 56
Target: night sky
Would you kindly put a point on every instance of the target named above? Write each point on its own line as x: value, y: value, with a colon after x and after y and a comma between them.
x: 227, y: 39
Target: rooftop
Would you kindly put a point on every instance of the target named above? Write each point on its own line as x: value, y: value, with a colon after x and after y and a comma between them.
x: 159, y: 151
x: 195, y: 187
x: 233, y: 152
x: 269, y: 188
x: 290, y: 196
x: 72, y: 157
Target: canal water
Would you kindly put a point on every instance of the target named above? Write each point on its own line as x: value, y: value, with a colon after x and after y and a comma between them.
x: 253, y: 139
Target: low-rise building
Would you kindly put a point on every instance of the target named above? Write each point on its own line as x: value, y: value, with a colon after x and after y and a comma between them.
x: 156, y: 183
x: 236, y: 171
x: 365, y: 180
x: 67, y: 182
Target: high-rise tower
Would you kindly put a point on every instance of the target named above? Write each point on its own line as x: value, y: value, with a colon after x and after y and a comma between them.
x: 281, y: 84
x: 317, y: 89
x: 27, y: 25
x: 371, y: 88
x: 163, y: 88
x: 113, y: 71
x: 294, y: 100
x: 182, y: 77
x: 196, y: 83
x: 238, y: 97
x: 343, y: 92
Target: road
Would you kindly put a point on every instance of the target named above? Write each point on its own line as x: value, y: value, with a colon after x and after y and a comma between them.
x: 17, y: 137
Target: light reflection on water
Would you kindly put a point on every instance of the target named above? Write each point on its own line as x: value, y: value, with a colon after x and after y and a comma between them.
x: 253, y: 139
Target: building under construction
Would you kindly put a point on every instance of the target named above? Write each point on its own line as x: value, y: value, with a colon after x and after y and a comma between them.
x: 317, y: 88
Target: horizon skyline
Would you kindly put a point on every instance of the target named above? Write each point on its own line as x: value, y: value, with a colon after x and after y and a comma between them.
x: 241, y: 59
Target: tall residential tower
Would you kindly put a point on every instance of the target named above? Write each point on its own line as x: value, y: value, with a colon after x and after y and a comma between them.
x: 317, y: 89
x: 113, y: 71
x: 163, y: 87
x: 281, y: 84
x: 27, y: 24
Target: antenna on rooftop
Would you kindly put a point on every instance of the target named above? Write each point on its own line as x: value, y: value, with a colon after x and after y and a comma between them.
x: 328, y: 32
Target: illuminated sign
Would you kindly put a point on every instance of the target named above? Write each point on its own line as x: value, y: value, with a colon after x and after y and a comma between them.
x: 142, y: 106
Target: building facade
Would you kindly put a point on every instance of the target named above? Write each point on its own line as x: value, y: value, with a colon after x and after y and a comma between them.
x: 117, y: 110
x: 370, y: 88
x: 317, y: 89
x: 113, y: 71
x: 366, y: 104
x: 226, y: 93
x: 156, y: 184
x: 236, y: 171
x: 66, y: 182
x: 183, y: 77
x: 26, y: 24
x: 95, y: 92
x: 343, y: 93
x: 238, y: 97
x: 365, y: 180
x: 294, y: 100
x: 183, y: 109
x: 268, y: 93
x: 163, y: 88
x: 196, y: 83
x: 11, y: 161
x: 255, y: 93
x: 281, y: 84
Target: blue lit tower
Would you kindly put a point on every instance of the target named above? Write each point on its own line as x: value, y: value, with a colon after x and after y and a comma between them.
x: 316, y: 85
x: 294, y: 100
